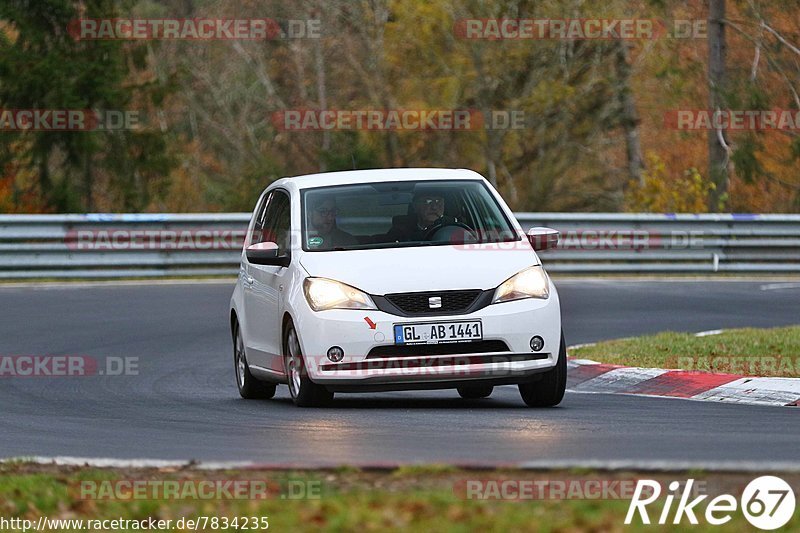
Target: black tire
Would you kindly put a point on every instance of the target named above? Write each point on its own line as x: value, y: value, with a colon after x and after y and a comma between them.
x: 305, y: 393
x: 475, y: 392
x: 548, y: 390
x: 249, y: 387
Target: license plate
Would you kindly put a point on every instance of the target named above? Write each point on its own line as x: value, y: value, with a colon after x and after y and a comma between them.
x: 438, y: 332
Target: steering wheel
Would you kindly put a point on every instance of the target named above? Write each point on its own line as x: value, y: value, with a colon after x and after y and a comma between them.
x: 445, y: 230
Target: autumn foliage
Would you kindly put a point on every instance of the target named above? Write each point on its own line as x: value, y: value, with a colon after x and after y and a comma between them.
x: 594, y: 136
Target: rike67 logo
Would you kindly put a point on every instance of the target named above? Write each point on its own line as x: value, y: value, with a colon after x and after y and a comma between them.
x: 767, y: 502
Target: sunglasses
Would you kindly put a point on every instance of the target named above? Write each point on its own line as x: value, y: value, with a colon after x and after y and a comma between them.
x: 427, y: 202
x: 326, y: 212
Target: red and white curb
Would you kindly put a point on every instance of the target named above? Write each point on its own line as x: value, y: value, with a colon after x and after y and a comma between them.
x: 584, y: 375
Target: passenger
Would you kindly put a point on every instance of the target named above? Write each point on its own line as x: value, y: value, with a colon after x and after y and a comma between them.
x: 323, y: 234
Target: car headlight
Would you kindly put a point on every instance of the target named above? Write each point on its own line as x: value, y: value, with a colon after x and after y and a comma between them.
x: 529, y: 283
x: 323, y: 294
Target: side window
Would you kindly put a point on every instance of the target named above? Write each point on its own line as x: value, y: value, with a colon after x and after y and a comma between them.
x: 277, y: 222
x: 257, y: 234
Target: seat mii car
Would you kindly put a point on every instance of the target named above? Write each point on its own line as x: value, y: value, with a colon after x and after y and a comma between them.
x: 375, y: 280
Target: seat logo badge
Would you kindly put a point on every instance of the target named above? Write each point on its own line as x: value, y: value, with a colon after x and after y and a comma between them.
x: 435, y: 302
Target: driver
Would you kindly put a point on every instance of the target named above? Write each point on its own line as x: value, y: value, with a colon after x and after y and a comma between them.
x: 428, y: 211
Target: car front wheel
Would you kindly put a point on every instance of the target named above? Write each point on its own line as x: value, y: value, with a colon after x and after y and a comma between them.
x: 548, y: 390
x: 305, y: 393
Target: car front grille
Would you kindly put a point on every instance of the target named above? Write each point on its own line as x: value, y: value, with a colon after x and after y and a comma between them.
x: 418, y: 303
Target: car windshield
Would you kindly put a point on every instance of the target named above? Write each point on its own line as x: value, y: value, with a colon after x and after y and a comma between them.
x: 402, y: 214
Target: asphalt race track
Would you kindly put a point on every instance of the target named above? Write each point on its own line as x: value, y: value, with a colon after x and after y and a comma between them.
x: 183, y: 403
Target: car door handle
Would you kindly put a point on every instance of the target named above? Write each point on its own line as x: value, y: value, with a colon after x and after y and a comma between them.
x: 249, y: 280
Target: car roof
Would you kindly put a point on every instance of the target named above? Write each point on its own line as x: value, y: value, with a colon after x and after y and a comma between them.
x: 350, y: 177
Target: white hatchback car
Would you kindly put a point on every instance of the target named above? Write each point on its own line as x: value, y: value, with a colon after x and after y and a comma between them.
x: 397, y: 279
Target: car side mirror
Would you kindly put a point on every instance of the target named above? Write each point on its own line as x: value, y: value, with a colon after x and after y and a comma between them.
x: 265, y: 253
x: 542, y: 238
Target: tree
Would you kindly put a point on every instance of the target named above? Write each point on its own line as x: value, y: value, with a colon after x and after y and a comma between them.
x: 718, y: 148
x: 43, y: 67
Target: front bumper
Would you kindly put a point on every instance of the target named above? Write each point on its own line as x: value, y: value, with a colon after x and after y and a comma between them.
x: 359, y: 332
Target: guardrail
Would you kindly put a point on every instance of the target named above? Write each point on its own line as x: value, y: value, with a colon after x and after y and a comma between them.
x: 702, y: 243
x: 157, y: 245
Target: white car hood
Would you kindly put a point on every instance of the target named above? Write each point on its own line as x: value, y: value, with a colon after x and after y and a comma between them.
x: 426, y: 268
